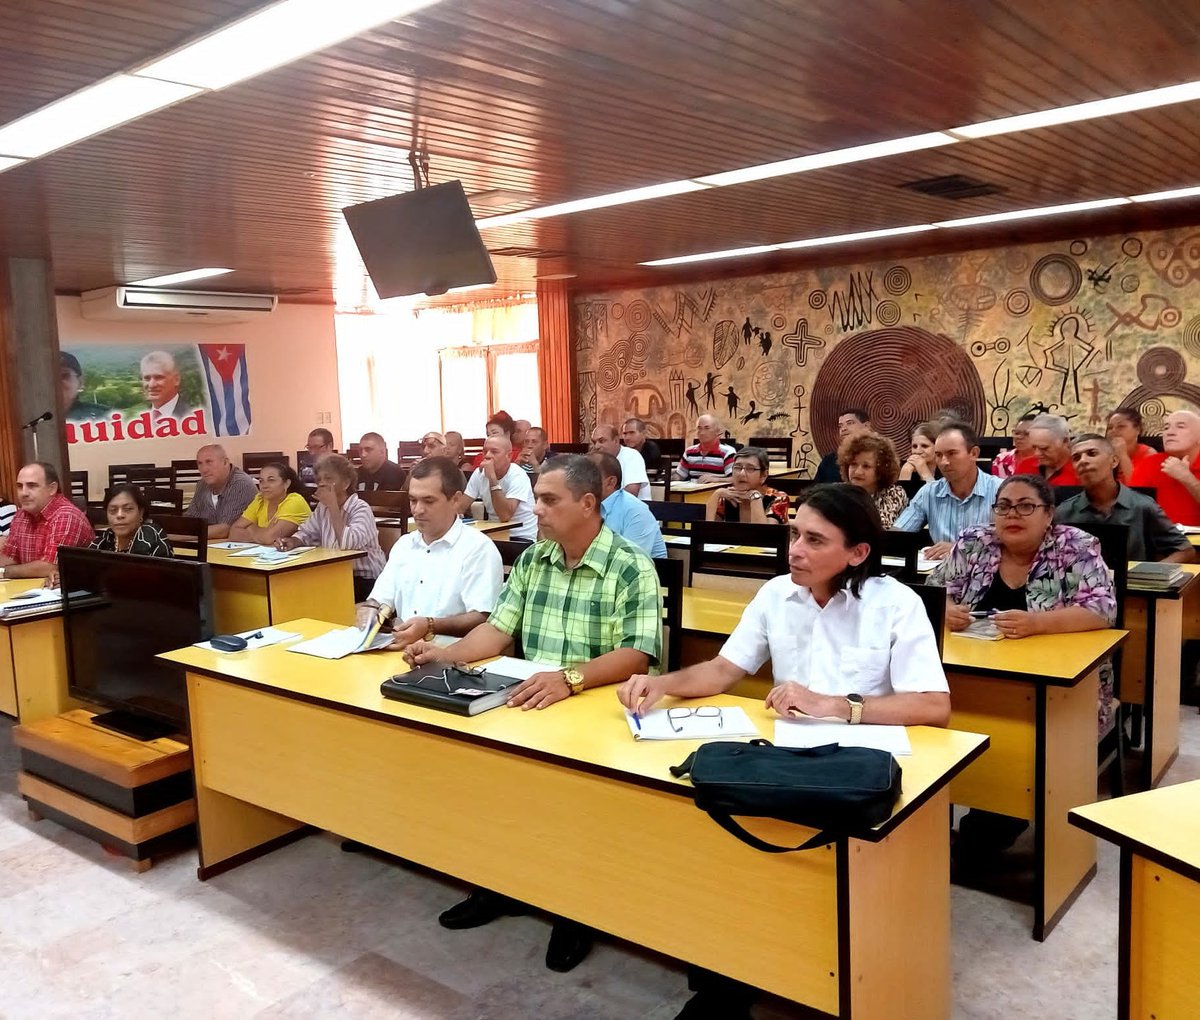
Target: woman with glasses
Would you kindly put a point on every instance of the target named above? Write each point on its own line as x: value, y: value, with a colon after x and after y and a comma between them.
x: 869, y: 461
x: 1006, y: 460
x: 1037, y: 577
x: 749, y: 500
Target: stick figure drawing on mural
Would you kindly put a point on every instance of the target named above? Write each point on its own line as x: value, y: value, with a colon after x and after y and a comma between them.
x: 710, y: 396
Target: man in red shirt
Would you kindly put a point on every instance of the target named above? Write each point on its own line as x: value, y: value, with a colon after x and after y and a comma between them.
x: 46, y: 520
x: 1175, y: 473
x: 1050, y: 437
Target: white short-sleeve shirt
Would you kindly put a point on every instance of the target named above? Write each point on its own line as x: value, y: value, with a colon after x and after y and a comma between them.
x: 633, y: 470
x: 880, y: 643
x: 460, y: 572
x: 515, y: 485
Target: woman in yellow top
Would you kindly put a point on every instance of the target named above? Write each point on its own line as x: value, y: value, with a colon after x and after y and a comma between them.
x: 276, y: 512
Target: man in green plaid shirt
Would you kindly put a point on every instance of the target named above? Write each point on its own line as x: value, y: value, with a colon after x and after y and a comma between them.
x: 582, y: 600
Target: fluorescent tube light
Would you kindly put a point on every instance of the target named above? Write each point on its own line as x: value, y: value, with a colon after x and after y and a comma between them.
x: 278, y: 35
x: 184, y: 277
x: 88, y: 112
x: 708, y: 256
x: 1024, y: 214
x: 864, y: 235
x: 1183, y: 93
x: 836, y: 157
x: 8, y: 162
x: 598, y: 202
x: 1164, y: 196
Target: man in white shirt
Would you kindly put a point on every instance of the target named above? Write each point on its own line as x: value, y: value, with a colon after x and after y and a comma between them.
x: 442, y: 578
x: 503, y: 488
x: 843, y: 641
x: 634, y: 480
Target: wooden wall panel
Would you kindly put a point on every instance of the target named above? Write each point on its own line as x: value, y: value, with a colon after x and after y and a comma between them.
x: 556, y: 368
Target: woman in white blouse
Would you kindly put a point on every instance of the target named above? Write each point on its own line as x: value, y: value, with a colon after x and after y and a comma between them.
x: 341, y: 521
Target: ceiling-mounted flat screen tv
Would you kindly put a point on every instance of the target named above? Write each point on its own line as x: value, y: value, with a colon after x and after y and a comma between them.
x: 119, y: 612
x: 421, y: 242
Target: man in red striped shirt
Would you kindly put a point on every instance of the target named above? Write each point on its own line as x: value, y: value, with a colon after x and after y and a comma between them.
x: 46, y: 520
x: 709, y: 458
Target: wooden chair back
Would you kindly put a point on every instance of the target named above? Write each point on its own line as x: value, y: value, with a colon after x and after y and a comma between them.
x: 118, y: 473
x: 79, y: 484
x: 750, y: 566
x: 779, y: 448
x: 186, y: 534
x: 670, y: 581
x: 253, y: 463
x: 168, y: 501
x: 934, y: 600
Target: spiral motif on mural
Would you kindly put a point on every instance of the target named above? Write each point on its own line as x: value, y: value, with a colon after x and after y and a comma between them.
x: 637, y: 315
x: 618, y: 310
x: 1163, y: 368
x: 1191, y: 337
x: 1017, y: 302
x: 888, y: 313
x: 1055, y: 279
x: 778, y: 322
x: 1079, y: 247
x: 613, y: 365
x: 897, y: 280
x: 1153, y: 411
x: 639, y: 347
x: 901, y: 375
x: 817, y: 300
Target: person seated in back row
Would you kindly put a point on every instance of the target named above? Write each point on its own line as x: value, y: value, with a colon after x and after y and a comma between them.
x: 130, y: 529
x: 624, y: 513
x: 443, y: 577
x: 748, y: 499
x: 709, y: 459
x: 1050, y: 440
x: 46, y: 520
x: 276, y: 512
x: 1104, y: 500
x: 634, y: 480
x: 376, y: 472
x: 223, y: 492
x: 869, y: 461
x: 844, y: 639
x: 1174, y: 474
x: 503, y: 488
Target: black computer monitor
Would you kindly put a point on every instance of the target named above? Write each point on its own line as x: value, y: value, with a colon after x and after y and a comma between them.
x: 421, y: 242
x: 119, y: 612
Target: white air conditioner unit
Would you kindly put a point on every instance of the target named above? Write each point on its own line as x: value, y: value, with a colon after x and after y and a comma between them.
x: 156, y: 304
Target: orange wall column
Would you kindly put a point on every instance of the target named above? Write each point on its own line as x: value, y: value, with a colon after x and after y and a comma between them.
x: 556, y: 362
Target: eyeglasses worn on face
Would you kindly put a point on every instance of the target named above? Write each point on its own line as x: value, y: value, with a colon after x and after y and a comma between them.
x: 1023, y: 508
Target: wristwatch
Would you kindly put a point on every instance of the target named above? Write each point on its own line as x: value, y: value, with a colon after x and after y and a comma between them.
x: 574, y: 679
x: 856, y: 708
x: 430, y: 630
x: 756, y: 494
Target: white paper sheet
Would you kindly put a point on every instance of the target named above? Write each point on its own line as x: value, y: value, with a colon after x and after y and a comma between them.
x: 233, y: 545
x: 805, y: 732
x: 518, y: 669
x: 269, y: 554
x: 923, y: 565
x: 657, y: 725
x: 268, y: 636
x: 337, y: 644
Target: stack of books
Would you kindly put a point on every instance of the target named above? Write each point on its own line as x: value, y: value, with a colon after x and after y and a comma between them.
x: 1155, y: 575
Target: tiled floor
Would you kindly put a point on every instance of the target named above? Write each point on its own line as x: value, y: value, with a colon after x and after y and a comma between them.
x: 312, y: 932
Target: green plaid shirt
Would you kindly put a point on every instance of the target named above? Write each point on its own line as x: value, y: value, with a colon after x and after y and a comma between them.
x: 610, y: 600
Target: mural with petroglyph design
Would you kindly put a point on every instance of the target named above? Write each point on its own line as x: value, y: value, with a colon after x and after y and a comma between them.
x: 1074, y: 327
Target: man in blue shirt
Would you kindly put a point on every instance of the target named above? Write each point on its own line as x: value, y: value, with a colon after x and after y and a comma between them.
x: 961, y: 497
x: 624, y: 513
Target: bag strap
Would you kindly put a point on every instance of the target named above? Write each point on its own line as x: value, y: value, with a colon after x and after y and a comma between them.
x: 725, y: 820
x: 684, y: 767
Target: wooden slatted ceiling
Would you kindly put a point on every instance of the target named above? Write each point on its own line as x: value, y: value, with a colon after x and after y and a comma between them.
x: 570, y: 98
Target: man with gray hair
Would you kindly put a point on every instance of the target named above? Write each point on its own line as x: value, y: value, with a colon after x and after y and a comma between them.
x: 160, y: 386
x: 1050, y: 437
x: 223, y: 492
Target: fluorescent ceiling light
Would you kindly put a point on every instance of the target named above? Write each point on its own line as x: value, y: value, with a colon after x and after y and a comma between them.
x: 1163, y: 196
x: 599, y: 202
x: 275, y: 36
x: 88, y: 112
x: 1024, y: 214
x: 864, y: 235
x: 8, y: 162
x: 1184, y: 93
x: 184, y: 277
x: 708, y: 256
x: 821, y: 160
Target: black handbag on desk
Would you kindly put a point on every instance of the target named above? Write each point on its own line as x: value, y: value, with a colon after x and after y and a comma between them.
x: 842, y: 791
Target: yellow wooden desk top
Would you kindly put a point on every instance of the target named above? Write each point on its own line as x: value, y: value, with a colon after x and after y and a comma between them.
x: 713, y: 610
x: 11, y: 587
x: 700, y: 486
x: 496, y: 528
x: 224, y: 559
x: 1194, y: 538
x: 586, y: 732
x: 1191, y: 569
x: 1162, y: 824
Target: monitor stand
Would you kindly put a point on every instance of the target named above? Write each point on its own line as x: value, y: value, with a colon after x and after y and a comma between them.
x: 133, y: 725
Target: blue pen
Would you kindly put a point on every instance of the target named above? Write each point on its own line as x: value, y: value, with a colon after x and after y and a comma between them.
x: 637, y: 721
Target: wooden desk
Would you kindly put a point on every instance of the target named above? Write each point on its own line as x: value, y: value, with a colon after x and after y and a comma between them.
x: 33, y: 661
x: 493, y: 529
x: 1036, y: 698
x: 281, y: 740
x: 247, y: 594
x: 1150, y: 668
x: 696, y: 492
x: 1159, y: 921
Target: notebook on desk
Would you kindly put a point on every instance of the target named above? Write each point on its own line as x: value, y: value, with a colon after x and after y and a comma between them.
x: 458, y: 689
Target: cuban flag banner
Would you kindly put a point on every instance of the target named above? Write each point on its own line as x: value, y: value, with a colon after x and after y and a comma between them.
x: 228, y: 387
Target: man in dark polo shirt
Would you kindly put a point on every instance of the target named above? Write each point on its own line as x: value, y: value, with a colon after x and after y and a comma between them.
x: 633, y: 435
x: 1104, y: 500
x: 376, y: 471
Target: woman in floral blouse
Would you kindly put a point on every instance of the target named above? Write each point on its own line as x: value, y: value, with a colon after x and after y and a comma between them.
x: 1040, y: 578
x: 869, y: 461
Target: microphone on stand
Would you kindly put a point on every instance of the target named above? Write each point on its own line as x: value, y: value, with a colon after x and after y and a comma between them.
x: 44, y: 416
